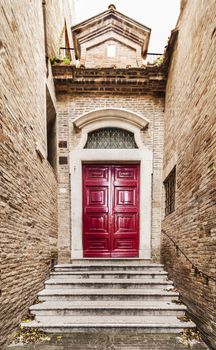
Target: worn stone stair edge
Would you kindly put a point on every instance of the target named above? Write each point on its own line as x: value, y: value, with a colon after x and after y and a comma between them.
x: 106, y: 281
x: 109, y: 325
x: 111, y: 303
x: 92, y: 264
x: 108, y: 292
x: 47, y: 308
x: 107, y: 272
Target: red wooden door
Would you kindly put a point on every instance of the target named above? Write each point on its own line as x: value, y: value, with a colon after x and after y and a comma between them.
x: 110, y: 210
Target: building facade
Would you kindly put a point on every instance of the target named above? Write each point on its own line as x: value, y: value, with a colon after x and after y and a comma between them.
x: 110, y: 137
x: 99, y: 154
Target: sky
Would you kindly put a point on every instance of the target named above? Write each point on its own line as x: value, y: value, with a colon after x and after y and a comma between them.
x: 159, y: 15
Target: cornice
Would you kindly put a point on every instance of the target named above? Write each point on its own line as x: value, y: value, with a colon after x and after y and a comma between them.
x: 149, y: 80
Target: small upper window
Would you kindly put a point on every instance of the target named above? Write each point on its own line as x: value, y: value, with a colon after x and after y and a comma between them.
x: 111, y: 51
x: 170, y: 187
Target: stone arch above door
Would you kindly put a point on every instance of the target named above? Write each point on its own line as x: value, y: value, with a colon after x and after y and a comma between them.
x: 118, y: 114
x: 110, y: 117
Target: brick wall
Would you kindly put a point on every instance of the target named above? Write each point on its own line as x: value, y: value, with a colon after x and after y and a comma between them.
x: 59, y: 17
x: 97, y: 55
x: 190, y: 142
x: 71, y: 106
x: 28, y: 201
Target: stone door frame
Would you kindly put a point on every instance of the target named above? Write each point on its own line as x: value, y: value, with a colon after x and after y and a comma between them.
x: 118, y: 118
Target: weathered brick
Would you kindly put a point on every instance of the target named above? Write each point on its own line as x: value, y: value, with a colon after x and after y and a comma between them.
x: 28, y: 186
x: 190, y: 142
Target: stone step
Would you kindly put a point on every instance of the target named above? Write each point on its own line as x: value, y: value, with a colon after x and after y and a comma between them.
x: 112, y: 261
x: 120, y: 266
x: 106, y: 283
x: 143, y: 324
x: 114, y: 307
x: 110, y: 274
x: 107, y: 294
x: 102, y: 294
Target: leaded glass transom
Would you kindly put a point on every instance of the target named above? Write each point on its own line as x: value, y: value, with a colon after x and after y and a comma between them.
x: 110, y: 138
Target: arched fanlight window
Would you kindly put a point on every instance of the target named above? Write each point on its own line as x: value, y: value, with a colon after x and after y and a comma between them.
x: 110, y: 138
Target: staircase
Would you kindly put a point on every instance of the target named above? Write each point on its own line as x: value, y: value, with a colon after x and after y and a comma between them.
x: 93, y: 295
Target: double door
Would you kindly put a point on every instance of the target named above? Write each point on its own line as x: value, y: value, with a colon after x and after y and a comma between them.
x: 110, y: 210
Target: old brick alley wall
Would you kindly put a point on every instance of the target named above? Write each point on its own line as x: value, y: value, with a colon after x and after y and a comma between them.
x: 28, y: 194
x: 59, y: 18
x: 189, y: 143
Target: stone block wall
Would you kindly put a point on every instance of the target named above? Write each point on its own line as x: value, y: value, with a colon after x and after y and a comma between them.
x: 71, y: 106
x: 190, y: 144
x: 28, y: 195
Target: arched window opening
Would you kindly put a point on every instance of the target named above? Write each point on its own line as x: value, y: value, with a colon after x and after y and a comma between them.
x: 110, y: 138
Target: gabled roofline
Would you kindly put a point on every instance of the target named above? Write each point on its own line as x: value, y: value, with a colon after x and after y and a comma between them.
x: 115, y: 39
x: 100, y: 16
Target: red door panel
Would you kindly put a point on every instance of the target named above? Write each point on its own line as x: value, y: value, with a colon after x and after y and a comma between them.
x: 125, y: 238
x: 110, y: 210
x: 96, y: 236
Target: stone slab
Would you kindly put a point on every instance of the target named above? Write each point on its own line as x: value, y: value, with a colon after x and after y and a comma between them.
x: 104, y: 341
